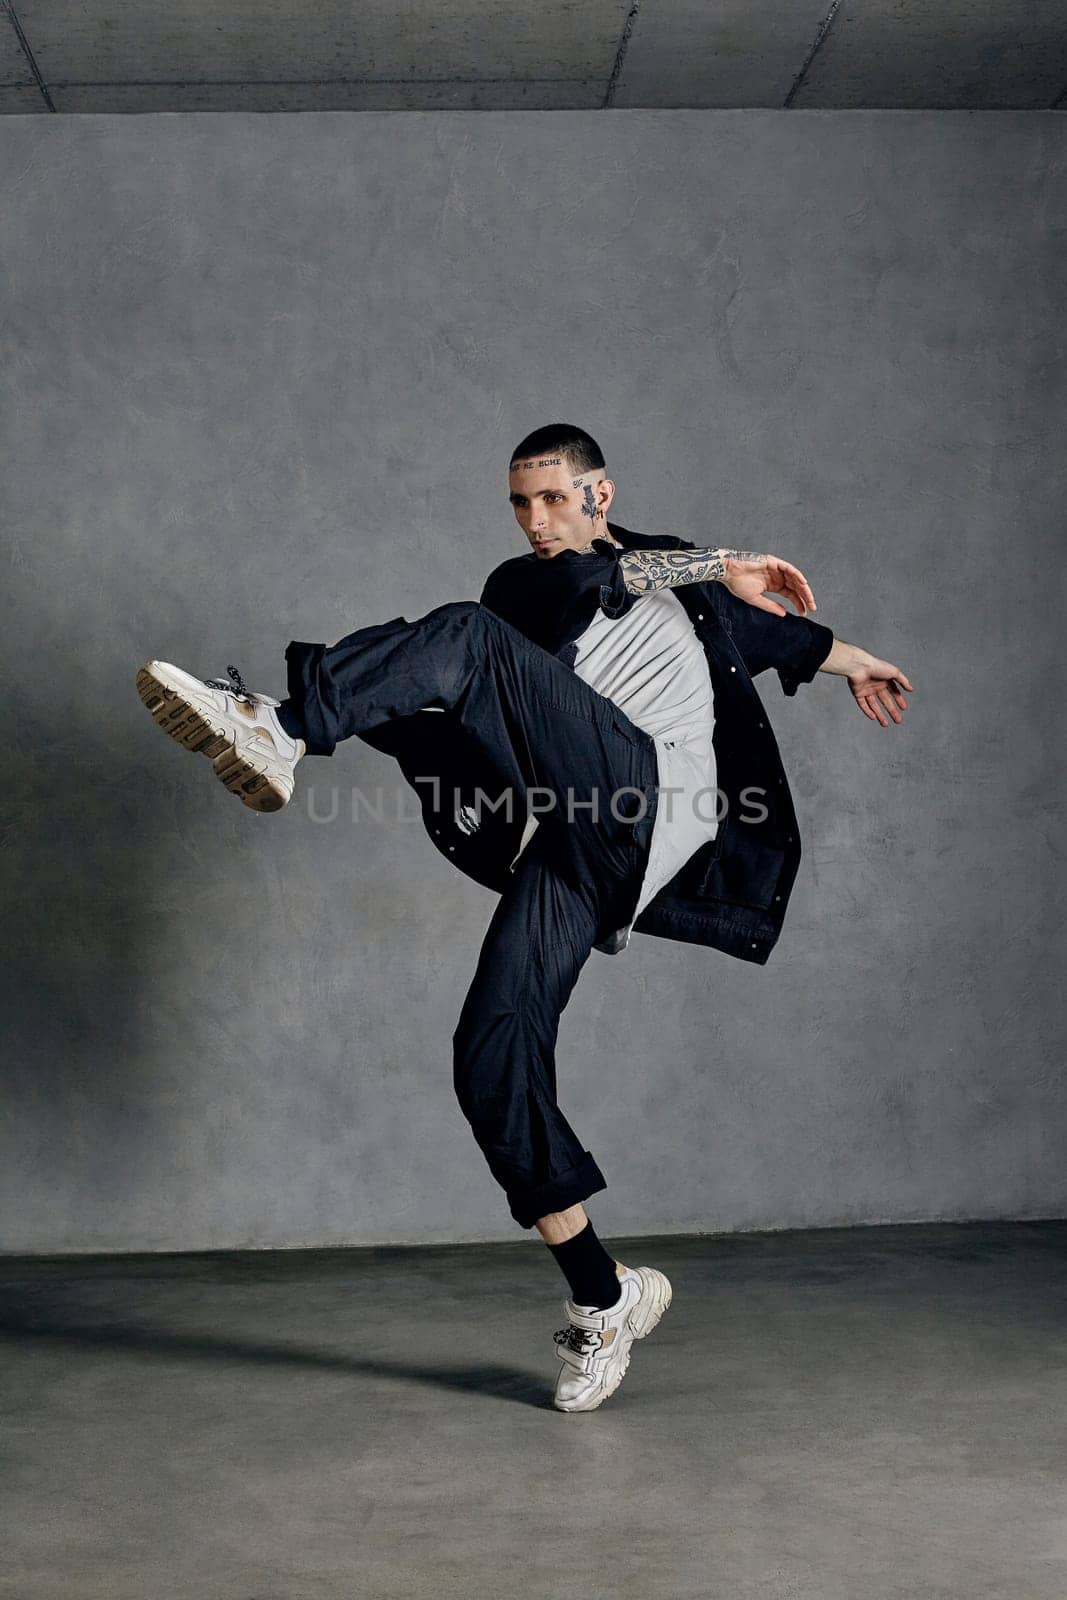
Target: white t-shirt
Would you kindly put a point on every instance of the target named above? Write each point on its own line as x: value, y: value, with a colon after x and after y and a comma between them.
x: 651, y: 664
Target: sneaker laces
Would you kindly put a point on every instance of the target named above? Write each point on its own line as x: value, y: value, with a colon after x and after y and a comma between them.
x: 236, y: 685
x: 583, y: 1341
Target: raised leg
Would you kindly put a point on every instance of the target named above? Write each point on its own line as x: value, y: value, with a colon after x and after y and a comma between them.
x: 539, y: 724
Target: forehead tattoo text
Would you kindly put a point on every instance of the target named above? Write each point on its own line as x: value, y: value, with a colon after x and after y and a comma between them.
x: 530, y: 466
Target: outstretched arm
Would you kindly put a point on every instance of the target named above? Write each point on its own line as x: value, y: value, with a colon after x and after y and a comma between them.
x: 874, y: 683
x: 748, y: 573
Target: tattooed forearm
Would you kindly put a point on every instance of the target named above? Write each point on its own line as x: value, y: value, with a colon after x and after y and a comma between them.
x: 645, y: 570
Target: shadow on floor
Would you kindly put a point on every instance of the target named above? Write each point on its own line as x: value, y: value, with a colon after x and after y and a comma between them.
x: 484, y: 1378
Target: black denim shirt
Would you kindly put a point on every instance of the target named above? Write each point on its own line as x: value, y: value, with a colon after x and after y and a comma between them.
x: 733, y: 892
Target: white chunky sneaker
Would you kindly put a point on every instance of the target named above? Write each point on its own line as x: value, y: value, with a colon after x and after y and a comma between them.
x: 250, y: 750
x: 594, y: 1347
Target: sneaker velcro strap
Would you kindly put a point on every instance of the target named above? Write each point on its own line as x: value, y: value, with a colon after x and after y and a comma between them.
x: 585, y: 1319
x: 584, y: 1363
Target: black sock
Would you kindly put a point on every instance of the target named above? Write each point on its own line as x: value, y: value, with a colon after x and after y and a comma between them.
x: 588, y: 1269
x: 291, y: 720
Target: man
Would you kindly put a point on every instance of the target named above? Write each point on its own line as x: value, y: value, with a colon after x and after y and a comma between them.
x: 603, y: 680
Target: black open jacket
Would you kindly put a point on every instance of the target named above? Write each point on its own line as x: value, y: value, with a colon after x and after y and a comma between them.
x: 732, y: 894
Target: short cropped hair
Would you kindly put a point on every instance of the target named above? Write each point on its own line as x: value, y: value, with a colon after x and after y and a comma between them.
x: 578, y: 448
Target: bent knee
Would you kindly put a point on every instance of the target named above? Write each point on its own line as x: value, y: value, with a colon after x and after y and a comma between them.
x: 475, y: 1087
x: 485, y: 1057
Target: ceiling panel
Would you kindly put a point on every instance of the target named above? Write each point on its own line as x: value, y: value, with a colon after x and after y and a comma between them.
x: 21, y: 101
x: 128, y: 41
x: 734, y: 53
x: 432, y: 55
x: 567, y: 95
x: 14, y: 68
x: 951, y: 53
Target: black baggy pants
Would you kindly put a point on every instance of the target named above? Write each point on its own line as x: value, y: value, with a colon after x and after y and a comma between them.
x: 578, y: 879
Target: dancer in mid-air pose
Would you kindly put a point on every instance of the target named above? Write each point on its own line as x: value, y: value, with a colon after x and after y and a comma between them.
x: 587, y: 741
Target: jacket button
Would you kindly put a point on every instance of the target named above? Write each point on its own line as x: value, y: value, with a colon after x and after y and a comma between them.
x: 753, y: 947
x: 762, y: 724
x: 789, y: 838
x: 733, y: 669
x: 451, y: 847
x: 777, y: 897
x: 700, y: 616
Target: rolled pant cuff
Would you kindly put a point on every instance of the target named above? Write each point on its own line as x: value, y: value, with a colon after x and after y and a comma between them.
x: 301, y: 674
x: 578, y: 1183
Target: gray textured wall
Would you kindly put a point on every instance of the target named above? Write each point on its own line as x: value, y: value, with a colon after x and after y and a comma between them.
x: 261, y: 379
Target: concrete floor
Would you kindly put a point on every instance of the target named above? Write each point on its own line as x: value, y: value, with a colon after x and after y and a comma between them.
x: 827, y: 1415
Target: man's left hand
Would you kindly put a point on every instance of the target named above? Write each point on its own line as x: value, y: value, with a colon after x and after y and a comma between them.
x: 749, y: 573
x: 876, y: 685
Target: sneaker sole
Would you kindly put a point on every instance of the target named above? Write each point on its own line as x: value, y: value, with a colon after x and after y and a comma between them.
x: 242, y: 764
x: 655, y: 1297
